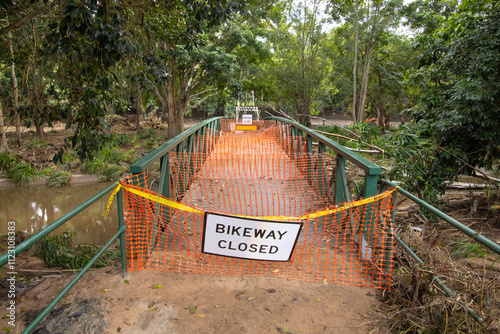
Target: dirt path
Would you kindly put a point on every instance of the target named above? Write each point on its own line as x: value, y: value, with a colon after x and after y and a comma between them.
x: 164, y: 302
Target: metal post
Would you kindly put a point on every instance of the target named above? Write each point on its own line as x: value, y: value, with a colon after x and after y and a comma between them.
x: 468, y: 231
x: 341, y: 191
x: 121, y: 227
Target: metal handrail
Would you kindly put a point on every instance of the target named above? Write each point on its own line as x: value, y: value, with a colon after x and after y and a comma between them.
x: 455, y: 223
x: 356, y: 159
x: 68, y: 287
x: 461, y: 227
x: 155, y: 156
x: 58, y: 222
x: 372, y: 171
x: 26, y: 244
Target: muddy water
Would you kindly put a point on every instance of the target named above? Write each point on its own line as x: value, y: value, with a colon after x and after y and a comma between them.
x: 33, y: 208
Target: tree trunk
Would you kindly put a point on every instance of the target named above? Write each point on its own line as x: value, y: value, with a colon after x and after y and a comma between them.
x: 37, y: 103
x: 364, y: 83
x: 304, y: 115
x: 3, y: 140
x: 355, y: 67
x: 15, y: 100
x: 180, y: 120
x: 381, y: 115
x: 138, y: 106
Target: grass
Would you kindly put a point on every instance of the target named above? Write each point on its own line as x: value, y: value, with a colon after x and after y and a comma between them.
x: 7, y: 160
x: 61, y: 251
x: 146, y: 134
x: 59, y: 178
x: 94, y: 166
x: 37, y: 143
x: 22, y: 173
x: 467, y: 248
x: 112, y: 172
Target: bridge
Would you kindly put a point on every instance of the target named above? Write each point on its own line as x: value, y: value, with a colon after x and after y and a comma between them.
x: 279, y: 171
x: 276, y: 199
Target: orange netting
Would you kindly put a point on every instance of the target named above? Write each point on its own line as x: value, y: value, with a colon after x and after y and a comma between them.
x: 258, y: 174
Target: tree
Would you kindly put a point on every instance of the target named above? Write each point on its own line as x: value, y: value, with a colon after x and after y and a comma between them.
x: 392, y: 58
x: 300, y: 64
x: 3, y: 139
x: 184, y: 69
x: 374, y: 20
x: 458, y: 82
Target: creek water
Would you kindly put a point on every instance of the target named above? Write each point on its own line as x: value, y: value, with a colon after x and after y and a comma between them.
x: 33, y: 208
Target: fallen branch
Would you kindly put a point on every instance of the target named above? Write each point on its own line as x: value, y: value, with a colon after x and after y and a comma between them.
x: 378, y: 149
x: 495, y: 181
x: 326, y: 120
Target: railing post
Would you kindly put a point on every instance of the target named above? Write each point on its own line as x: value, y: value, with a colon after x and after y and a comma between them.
x: 164, y: 184
x: 309, y: 162
x: 121, y: 224
x: 341, y: 191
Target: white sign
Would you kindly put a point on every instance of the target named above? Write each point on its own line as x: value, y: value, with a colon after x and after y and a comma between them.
x: 251, y: 239
x: 246, y: 119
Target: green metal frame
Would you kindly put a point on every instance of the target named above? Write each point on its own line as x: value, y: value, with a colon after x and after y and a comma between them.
x: 175, y: 143
x: 372, y: 171
x: 341, y: 193
x: 461, y: 227
x: 168, y: 186
x: 26, y: 244
x: 455, y: 223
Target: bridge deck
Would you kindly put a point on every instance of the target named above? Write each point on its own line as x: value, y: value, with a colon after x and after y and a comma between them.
x: 236, y: 179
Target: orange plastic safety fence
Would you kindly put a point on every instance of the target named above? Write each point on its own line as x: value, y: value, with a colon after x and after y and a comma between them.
x: 258, y: 174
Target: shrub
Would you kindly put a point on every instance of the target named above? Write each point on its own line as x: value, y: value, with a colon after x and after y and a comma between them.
x: 7, y: 160
x: 94, y: 166
x: 61, y: 251
x: 22, y: 173
x: 59, y: 178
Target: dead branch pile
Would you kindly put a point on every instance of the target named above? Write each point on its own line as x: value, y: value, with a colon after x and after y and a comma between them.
x: 416, y: 304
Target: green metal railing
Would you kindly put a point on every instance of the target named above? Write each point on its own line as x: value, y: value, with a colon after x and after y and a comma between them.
x: 26, y: 244
x: 184, y: 142
x: 294, y: 130
x: 298, y: 134
x: 461, y: 227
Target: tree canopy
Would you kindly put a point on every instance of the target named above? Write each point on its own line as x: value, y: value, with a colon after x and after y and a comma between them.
x: 84, y: 60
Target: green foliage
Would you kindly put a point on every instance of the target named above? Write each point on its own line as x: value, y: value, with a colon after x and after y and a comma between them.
x: 415, y: 164
x: 94, y: 166
x: 61, y: 251
x: 37, y: 143
x: 146, y: 133
x: 468, y: 248
x: 7, y: 160
x: 367, y: 130
x: 59, y: 178
x: 112, y: 172
x: 109, y: 153
x: 458, y: 87
x: 22, y: 172
x: 48, y: 171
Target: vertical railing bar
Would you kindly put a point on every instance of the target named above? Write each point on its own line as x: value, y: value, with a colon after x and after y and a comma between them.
x: 121, y: 226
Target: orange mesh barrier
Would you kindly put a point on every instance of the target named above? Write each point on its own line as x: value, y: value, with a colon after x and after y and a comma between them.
x: 255, y: 174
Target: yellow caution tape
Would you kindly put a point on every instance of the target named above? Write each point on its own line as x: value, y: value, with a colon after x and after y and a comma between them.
x: 186, y: 208
x: 110, y: 200
x: 153, y: 198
